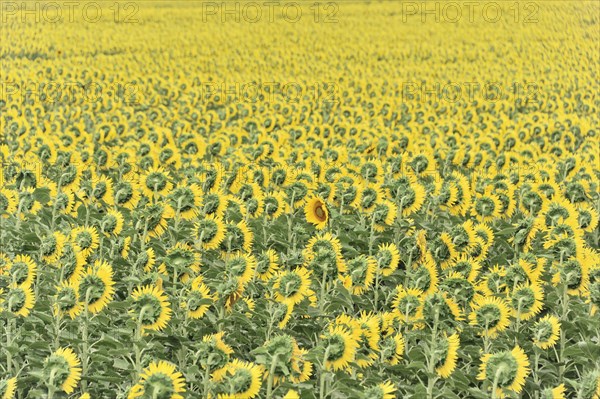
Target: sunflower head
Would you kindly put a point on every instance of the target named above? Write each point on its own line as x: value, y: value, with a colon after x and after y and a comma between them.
x: 159, y: 380
x: 546, y: 332
x: 384, y: 390
x: 508, y: 368
x: 62, y: 370
x: 240, y: 380
x: 151, y: 308
x: 316, y: 212
x: 8, y: 387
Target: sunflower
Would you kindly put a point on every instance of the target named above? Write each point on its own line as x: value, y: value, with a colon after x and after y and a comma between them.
x: 554, y: 393
x: 439, y: 308
x: 384, y: 214
x: 151, y: 308
x: 112, y: 223
x: 123, y: 245
x: 360, y: 274
x: 291, y: 394
x: 425, y: 275
x: 275, y: 204
x: 198, y: 299
x: 210, y: 232
x: 340, y: 348
x: 96, y: 286
x: 446, y: 355
x: 465, y: 266
x: 27, y: 202
x: 71, y: 262
x: 155, y: 183
x: 442, y: 249
x: 214, y: 203
x: 493, y: 281
x: 8, y: 202
x: 8, y: 387
x: 283, y: 313
x: 487, y: 206
x: 546, y: 332
x: 368, y: 340
x: 214, y: 354
x: 368, y: 196
x: 159, y: 379
x: 267, y: 264
x: 526, y: 300
x: 392, y: 348
x: 292, y: 286
x: 575, y: 275
x: 508, y: 369
x: 240, y: 266
x: 156, y: 217
x: 490, y: 314
x: 558, y: 211
x: 67, y: 300
x: 283, y: 351
x: 127, y: 192
x: 323, y: 253
x: 301, y: 367
x: 384, y: 390
x: 102, y: 190
x: 63, y: 370
x: 316, y: 212
x: 587, y: 219
x: 86, y: 238
x: 242, y: 380
x: 388, y: 258
x: 180, y: 261
x: 146, y: 260
x: 19, y: 299
x: 22, y: 270
x: 237, y: 237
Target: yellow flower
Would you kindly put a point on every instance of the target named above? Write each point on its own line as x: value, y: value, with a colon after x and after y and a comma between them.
x: 19, y: 300
x: 490, y: 314
x: 151, y: 308
x: 340, y: 348
x: 22, y: 270
x: 316, y: 212
x: 448, y: 354
x: 243, y: 380
x: 159, y: 377
x: 64, y: 369
x: 96, y: 287
x: 546, y: 332
x: 508, y: 368
x: 292, y: 286
x: 8, y: 387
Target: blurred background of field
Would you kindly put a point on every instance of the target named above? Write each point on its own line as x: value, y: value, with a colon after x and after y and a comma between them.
x: 551, y: 43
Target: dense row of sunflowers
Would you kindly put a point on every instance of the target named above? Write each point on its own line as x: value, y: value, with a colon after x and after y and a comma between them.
x: 376, y: 246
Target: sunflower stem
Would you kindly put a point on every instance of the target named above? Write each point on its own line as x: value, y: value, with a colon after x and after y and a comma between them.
x: 323, y: 291
x: 8, y: 344
x: 431, y: 379
x: 205, y: 379
x: 84, y: 338
x: 563, y: 318
x: 272, y: 376
x: 322, y: 393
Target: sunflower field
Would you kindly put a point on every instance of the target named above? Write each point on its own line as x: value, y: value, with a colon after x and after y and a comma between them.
x: 341, y: 200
